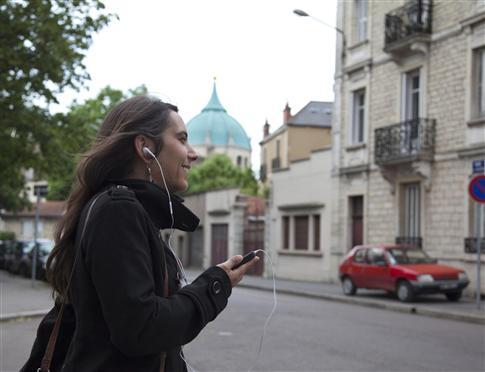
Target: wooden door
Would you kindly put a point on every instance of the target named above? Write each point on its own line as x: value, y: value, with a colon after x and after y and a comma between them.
x: 219, y: 234
x: 254, y: 240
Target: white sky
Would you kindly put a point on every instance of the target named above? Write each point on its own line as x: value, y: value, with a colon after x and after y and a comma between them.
x: 262, y: 54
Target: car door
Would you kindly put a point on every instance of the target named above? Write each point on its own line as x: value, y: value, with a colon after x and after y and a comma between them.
x: 377, y: 271
x: 358, y: 267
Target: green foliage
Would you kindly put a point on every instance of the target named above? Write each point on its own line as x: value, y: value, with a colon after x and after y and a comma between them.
x: 7, y: 235
x: 42, y: 51
x: 218, y: 171
x: 72, y: 135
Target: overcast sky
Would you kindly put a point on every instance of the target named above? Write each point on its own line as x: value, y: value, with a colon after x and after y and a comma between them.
x: 261, y: 53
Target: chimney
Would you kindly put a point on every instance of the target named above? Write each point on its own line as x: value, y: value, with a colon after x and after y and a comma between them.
x: 286, y: 114
x: 266, y: 129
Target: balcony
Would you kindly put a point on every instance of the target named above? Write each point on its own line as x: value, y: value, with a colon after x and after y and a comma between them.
x: 415, y: 241
x: 407, y: 141
x: 262, y: 173
x: 471, y: 245
x: 275, y: 164
x: 408, y: 28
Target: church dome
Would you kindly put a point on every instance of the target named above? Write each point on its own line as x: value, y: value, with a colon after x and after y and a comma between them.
x: 215, y: 127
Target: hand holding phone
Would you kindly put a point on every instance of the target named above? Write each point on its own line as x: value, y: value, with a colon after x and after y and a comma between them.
x: 245, y: 259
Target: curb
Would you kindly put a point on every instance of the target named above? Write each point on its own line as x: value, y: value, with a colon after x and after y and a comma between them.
x: 23, y: 315
x: 397, y: 307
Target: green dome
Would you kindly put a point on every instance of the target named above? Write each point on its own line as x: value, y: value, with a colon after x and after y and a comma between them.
x: 214, y: 126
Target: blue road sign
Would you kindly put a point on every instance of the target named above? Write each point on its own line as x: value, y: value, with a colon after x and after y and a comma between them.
x: 476, y: 188
x: 478, y: 166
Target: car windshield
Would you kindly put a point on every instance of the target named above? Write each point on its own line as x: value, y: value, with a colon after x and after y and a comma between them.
x: 409, y: 256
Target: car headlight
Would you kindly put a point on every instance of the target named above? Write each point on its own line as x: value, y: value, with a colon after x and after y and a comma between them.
x: 425, y: 278
x: 462, y: 276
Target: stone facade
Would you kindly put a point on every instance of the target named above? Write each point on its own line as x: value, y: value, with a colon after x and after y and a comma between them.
x: 419, y: 79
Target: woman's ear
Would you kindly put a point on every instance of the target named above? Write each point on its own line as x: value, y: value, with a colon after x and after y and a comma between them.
x: 140, y: 142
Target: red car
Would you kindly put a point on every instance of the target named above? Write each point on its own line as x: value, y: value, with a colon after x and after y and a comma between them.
x: 404, y: 270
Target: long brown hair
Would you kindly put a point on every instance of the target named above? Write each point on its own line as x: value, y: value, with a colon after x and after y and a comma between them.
x: 112, y: 156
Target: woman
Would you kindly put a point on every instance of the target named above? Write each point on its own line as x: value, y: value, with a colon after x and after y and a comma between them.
x: 123, y: 320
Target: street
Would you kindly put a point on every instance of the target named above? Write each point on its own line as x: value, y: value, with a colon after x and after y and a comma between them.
x: 308, y: 335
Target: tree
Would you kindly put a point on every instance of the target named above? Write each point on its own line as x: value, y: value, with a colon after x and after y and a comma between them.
x: 73, y: 133
x: 42, y: 51
x: 218, y: 171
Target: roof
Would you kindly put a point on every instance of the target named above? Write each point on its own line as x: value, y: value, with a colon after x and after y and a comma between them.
x: 215, y: 127
x: 47, y: 209
x: 315, y: 113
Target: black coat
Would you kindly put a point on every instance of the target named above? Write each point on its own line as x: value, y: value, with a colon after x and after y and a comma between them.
x: 123, y: 322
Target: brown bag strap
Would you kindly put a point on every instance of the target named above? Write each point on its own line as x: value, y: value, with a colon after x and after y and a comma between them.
x: 45, y: 364
x: 166, y: 293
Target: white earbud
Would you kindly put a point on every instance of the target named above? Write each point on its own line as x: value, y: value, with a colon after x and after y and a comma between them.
x: 147, y: 152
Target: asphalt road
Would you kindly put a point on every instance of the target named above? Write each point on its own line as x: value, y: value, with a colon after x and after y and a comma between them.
x: 308, y: 335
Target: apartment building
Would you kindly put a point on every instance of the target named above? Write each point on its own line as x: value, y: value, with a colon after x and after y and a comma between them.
x: 409, y: 120
x: 300, y: 134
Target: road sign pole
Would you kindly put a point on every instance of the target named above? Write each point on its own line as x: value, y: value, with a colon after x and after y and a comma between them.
x: 479, y: 249
x: 36, y: 235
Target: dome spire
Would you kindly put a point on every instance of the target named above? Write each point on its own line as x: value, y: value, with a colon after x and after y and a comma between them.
x: 214, y: 103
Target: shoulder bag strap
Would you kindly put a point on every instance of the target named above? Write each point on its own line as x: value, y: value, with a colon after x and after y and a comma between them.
x: 49, y: 352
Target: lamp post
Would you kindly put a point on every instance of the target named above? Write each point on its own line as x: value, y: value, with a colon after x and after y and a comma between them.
x: 302, y: 13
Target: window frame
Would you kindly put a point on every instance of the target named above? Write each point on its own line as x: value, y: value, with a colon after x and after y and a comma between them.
x: 357, y: 135
x: 478, y: 81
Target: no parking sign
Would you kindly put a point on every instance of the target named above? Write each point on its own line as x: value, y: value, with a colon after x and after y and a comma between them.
x: 476, y: 188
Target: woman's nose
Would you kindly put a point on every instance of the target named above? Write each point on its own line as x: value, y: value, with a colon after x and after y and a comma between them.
x: 193, y: 156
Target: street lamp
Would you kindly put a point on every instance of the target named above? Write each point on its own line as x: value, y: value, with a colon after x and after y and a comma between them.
x: 302, y: 13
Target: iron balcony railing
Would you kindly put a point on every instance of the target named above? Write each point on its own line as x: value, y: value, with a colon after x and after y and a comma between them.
x: 275, y: 164
x: 405, y: 141
x: 410, y: 20
x: 471, y: 245
x: 416, y: 241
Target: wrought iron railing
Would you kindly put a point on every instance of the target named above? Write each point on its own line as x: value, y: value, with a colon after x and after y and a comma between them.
x: 275, y: 163
x: 414, y: 18
x: 416, y: 241
x: 262, y: 173
x: 399, y: 141
x: 471, y: 245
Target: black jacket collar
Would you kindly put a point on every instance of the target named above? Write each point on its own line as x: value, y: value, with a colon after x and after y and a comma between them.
x: 155, y: 201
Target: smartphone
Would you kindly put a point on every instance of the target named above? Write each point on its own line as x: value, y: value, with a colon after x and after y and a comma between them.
x: 245, y: 259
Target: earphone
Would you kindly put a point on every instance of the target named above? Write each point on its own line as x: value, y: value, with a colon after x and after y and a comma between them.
x: 148, y: 153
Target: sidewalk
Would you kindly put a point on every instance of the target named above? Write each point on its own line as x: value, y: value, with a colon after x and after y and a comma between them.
x: 19, y: 299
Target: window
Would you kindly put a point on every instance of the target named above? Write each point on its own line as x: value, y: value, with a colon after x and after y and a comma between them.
x: 411, y: 210
x: 301, y: 232
x: 361, y: 20
x: 376, y: 256
x: 286, y: 232
x: 359, y: 256
x: 478, y: 100
x: 358, y: 116
x: 277, y: 149
x: 316, y: 232
x: 411, y: 92
x: 238, y: 160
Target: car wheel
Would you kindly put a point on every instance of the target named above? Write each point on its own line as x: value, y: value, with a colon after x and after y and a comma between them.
x: 348, y: 286
x: 453, y: 296
x: 404, y: 291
